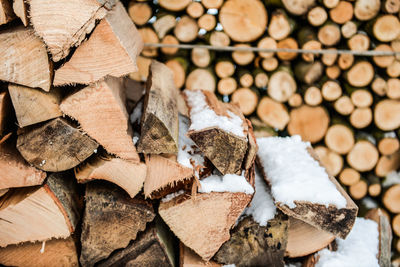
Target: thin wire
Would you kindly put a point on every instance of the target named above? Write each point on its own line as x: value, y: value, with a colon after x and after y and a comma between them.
x: 368, y: 53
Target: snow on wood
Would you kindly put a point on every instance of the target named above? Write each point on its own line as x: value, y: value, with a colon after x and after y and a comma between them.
x: 227, y: 183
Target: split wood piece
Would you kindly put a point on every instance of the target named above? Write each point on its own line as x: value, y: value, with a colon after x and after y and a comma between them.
x: 214, y: 214
x: 309, y: 73
x: 363, y: 156
x: 64, y: 33
x: 159, y: 123
x: 385, y: 235
x: 174, y: 5
x: 111, y: 49
x: 140, y: 13
x: 25, y: 59
x: 142, y: 73
x: 349, y: 176
x: 387, y: 114
x: 5, y: 112
x: 56, y: 252
x: 317, y: 16
x: 254, y: 245
x: 134, y: 92
x: 339, y: 138
x: 6, y: 12
x: 109, y: 127
x: 298, y: 7
x: 243, y: 21
x: 246, y: 99
x: 332, y: 72
x: 179, y: 71
x: 304, y: 239
x: 16, y: 172
x: 366, y: 9
x: 127, y: 175
x: 311, y: 123
x: 329, y: 59
x: 55, y: 146
x: 201, y: 79
x: 33, y: 106
x: 58, y: 219
x: 273, y: 113
x: 216, y: 143
x: 21, y: 10
x: 387, y: 164
x: 332, y: 161
x: 281, y: 86
x: 187, y: 258
x: 163, y: 25
x: 111, y: 220
x: 163, y: 174
x: 391, y: 198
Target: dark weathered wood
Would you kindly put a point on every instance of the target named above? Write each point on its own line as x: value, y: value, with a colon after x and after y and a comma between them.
x: 6, y: 12
x: 254, y: 245
x: 55, y: 146
x: 5, y: 111
x: 159, y: 123
x: 111, y: 220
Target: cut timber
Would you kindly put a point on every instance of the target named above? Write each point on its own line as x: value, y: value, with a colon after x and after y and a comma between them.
x: 361, y: 117
x: 154, y: 247
x: 164, y: 173
x: 304, y: 239
x: 363, y: 156
x: 20, y: 9
x: 386, y: 28
x: 281, y: 86
x: 111, y: 220
x: 387, y: 114
x: 187, y: 258
x: 358, y: 190
x: 5, y: 111
x: 273, y: 113
x: 298, y: 7
x: 212, y: 214
x: 201, y: 79
x: 15, y: 171
x: 52, y: 211
x: 246, y: 99
x: 288, y: 43
x: 349, y: 176
x: 317, y: 16
x: 366, y: 9
x: 385, y: 235
x: 388, y: 145
x: 207, y: 22
x: 243, y: 21
x: 109, y: 127
x: 57, y: 252
x: 111, y: 49
x: 195, y: 10
x: 329, y: 34
x: 313, y: 96
x: 242, y: 57
x: 279, y: 26
x: 52, y: 22
x: 6, y: 12
x: 391, y: 199
x: 332, y: 161
x: 169, y: 39
x: 311, y: 123
x: 25, y: 59
x: 33, y: 106
x: 174, y: 5
x: 339, y: 138
x: 149, y: 36
x: 254, y: 245
x: 178, y: 70
x: 361, y: 74
x: 342, y: 13
x: 159, y: 123
x: 140, y: 13
x: 387, y: 164
x: 186, y: 29
x: 127, y: 175
x: 164, y: 24
x: 55, y: 146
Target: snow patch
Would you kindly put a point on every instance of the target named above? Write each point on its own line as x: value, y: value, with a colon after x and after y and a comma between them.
x: 137, y: 113
x: 227, y: 183
x: 391, y: 179
x: 172, y: 196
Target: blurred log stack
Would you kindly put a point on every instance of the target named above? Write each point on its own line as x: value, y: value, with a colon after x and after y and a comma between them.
x: 347, y: 106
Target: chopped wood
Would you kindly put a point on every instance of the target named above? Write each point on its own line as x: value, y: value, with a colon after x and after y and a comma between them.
x: 388, y: 145
x: 207, y: 22
x: 58, y: 219
x: 340, y: 138
x: 25, y: 59
x: 111, y: 49
x: 332, y: 161
x: 179, y: 72
x: 201, y: 79
x: 109, y: 127
x: 242, y: 57
x: 317, y: 16
x: 169, y: 39
x: 159, y: 123
x: 313, y: 96
x: 55, y: 146
x: 5, y: 112
x: 57, y: 252
x: 273, y: 113
x: 21, y: 10
x: 341, y: 13
x: 361, y: 117
x: 164, y: 24
x: 246, y: 99
x: 387, y: 164
x: 358, y: 190
x: 227, y: 86
x: 298, y: 7
x: 361, y: 74
x: 366, y: 9
x: 281, y: 85
x: 33, y: 106
x: 289, y: 43
x: 174, y: 5
x: 349, y: 176
x: 329, y: 34
x: 386, y: 28
x: 363, y: 156
x: 110, y: 221
x: 186, y: 29
x: 127, y: 175
x: 195, y: 10
x: 187, y: 258
x: 149, y: 36
x: 140, y: 13
x: 6, y: 12
x: 390, y: 199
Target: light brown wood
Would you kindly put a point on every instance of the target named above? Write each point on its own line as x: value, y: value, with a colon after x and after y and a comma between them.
x: 142, y: 73
x: 358, y: 190
x: 169, y: 39
x: 391, y: 199
x: 339, y: 138
x: 349, y: 176
x: 224, y: 69
x: 201, y: 79
x: 391, y: 6
x: 309, y: 72
x: 243, y: 57
x: 279, y: 25
x: 361, y: 74
x: 164, y: 24
x: 311, y: 123
x: 393, y: 88
x: 331, y: 160
x: 361, y: 98
x: 331, y: 90
x: 243, y: 21
x: 273, y: 113
x: 295, y: 100
x: 341, y: 13
x: 363, y: 156
x: 266, y: 43
x: 149, y: 36
x: 281, y: 86
x: 393, y: 70
x: 186, y: 29
x: 25, y: 59
x: 396, y: 224
x: 361, y: 117
x: 6, y: 12
x: 129, y: 176
x: 219, y: 39
x: 188, y: 258
x: 383, y: 61
x: 52, y: 22
x: 330, y: 3
x: 207, y: 22
x: 178, y: 71
x: 214, y: 214
x: 298, y: 7
x: 388, y: 145
x: 246, y: 99
x: 195, y: 10
x: 97, y: 58
x: 57, y: 252
x: 386, y: 28
x: 289, y: 43
x: 329, y: 34
x: 310, y: 45
x: 333, y: 72
x: 345, y: 61
x: 261, y: 79
x: 387, y: 114
x: 317, y: 16
x: 174, y: 5
x: 313, y: 96
x: 359, y: 42
x: 227, y: 86
x: 212, y: 3
x: 343, y: 105
x: 33, y: 106
x: 387, y: 164
x: 379, y: 86
x: 20, y: 9
x: 246, y: 79
x: 108, y: 127
x: 304, y: 239
x: 366, y: 9
x: 270, y: 64
x: 140, y: 13
x: 200, y: 57
x: 348, y: 29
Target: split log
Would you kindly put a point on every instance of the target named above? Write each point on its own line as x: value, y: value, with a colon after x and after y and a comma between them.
x: 127, y: 175
x: 363, y: 156
x: 254, y: 245
x: 309, y: 73
x: 280, y: 26
x: 58, y: 219
x: 25, y: 59
x: 21, y: 10
x: 164, y: 24
x: 6, y: 12
x: 56, y: 252
x: 379, y: 86
x: 55, y: 146
x: 110, y: 221
x: 52, y: 22
x: 97, y: 58
x: 142, y: 73
x: 109, y: 127
x: 273, y: 113
x: 224, y: 68
x: 159, y: 123
x: 345, y: 61
x: 333, y: 72
x: 33, y: 106
x: 5, y: 112
x: 187, y: 258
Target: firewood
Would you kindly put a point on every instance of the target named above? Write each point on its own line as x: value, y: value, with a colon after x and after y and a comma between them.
x: 374, y: 185
x: 58, y: 220
x: 366, y: 9
x: 390, y: 198
x: 386, y: 28
x: 281, y: 85
x: 361, y: 98
x: 224, y: 68
x: 393, y: 88
x: 227, y: 86
x: 280, y: 26
x: 333, y: 72
x: 379, y: 86
x: 254, y: 245
x: 159, y: 123
x: 33, y: 106
x: 267, y: 43
x: 261, y: 78
x: 387, y: 164
x: 20, y: 9
x: 358, y: 190
x: 313, y: 96
x: 108, y: 127
x: 242, y: 57
x: 348, y: 29
x: 393, y: 70
x: 340, y: 138
x: 55, y: 146
x: 396, y: 225
x: 186, y: 29
x: 212, y: 3
x: 273, y: 113
x: 212, y: 213
x: 387, y: 114
x: 187, y: 258
x: 270, y: 64
x: 195, y: 10
x: 309, y: 73
x: 164, y: 24
x: 15, y: 170
x: 289, y: 43
x: 169, y: 39
x: 304, y: 239
x: 6, y: 12
x: 5, y: 112
x: 207, y: 22
x: 63, y: 33
x: 295, y: 100
x: 361, y: 117
x: 243, y: 21
x: 359, y: 42
x: 363, y: 156
x: 329, y: 59
x: 317, y: 16
x: 329, y: 34
x: 174, y: 5
x: 349, y: 176
x: 56, y: 252
x: 345, y: 61
x: 127, y: 175
x: 201, y: 79
x: 110, y: 221
x: 392, y: 6
x: 360, y: 74
x: 95, y: 59
x: 383, y: 61
x: 201, y: 57
x: 140, y: 13
x: 142, y: 73
x: 298, y: 8
x: 388, y: 145
x: 25, y: 59
x: 246, y: 99
x: 179, y: 71
x: 246, y: 79
x: 341, y: 13
x: 149, y: 36
x: 332, y: 161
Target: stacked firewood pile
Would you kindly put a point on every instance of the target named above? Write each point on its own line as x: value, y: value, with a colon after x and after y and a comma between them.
x: 346, y: 105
